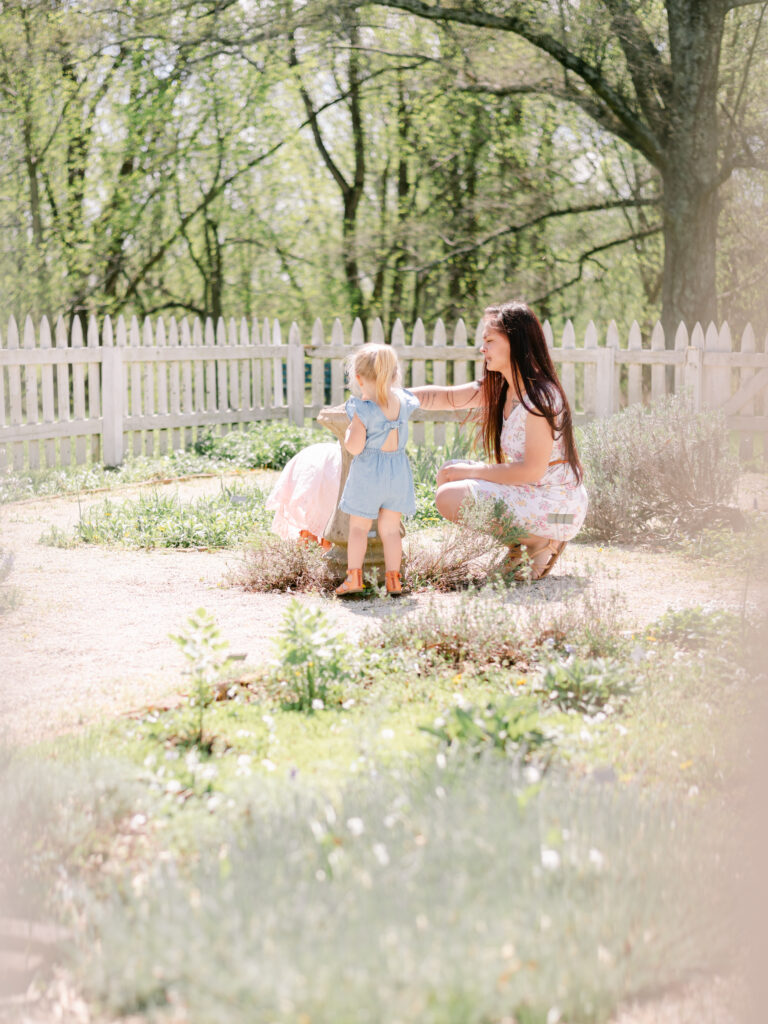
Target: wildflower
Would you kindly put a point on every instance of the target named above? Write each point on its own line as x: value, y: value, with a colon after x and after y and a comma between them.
x: 550, y: 859
x: 381, y: 854
x: 266, y: 763
x: 596, y: 858
x: 440, y: 760
x: 317, y: 704
x: 356, y: 826
x: 685, y: 765
x: 388, y: 734
x: 521, y: 681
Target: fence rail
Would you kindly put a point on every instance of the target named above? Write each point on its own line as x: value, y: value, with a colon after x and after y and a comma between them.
x: 68, y: 395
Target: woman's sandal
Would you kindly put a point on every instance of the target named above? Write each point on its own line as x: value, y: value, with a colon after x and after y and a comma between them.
x: 531, y: 572
x: 393, y: 584
x: 305, y: 537
x: 353, y: 584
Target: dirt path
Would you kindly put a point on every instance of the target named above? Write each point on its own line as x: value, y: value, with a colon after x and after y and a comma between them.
x: 90, y: 635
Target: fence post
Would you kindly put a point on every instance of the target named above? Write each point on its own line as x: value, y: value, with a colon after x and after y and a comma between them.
x: 295, y: 376
x: 604, y: 382
x: 112, y: 391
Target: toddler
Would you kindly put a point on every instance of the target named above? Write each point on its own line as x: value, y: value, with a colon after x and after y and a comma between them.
x: 380, y: 483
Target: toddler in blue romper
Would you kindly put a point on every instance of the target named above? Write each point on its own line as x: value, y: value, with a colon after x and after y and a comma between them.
x: 380, y: 483
x: 379, y: 479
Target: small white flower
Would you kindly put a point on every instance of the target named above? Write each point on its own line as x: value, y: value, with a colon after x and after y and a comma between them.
x: 388, y: 734
x: 439, y: 722
x: 441, y: 761
x: 317, y: 830
x: 531, y: 774
x: 137, y: 821
x: 381, y: 854
x: 356, y: 826
x: 596, y: 859
x: 350, y: 703
x: 554, y: 1015
x: 550, y: 859
x: 317, y: 704
x: 266, y: 763
x: 173, y: 786
x: 269, y: 721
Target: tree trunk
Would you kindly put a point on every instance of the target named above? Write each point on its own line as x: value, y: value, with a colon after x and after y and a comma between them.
x: 690, y: 170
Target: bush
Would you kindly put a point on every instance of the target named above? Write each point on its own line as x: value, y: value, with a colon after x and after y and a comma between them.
x: 656, y: 472
x: 260, y: 446
x: 273, y: 564
x: 586, y: 686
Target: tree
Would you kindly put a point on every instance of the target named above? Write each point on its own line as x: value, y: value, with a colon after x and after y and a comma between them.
x: 651, y: 77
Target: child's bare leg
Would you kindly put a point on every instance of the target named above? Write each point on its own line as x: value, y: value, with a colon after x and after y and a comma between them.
x: 389, y: 531
x: 357, y: 542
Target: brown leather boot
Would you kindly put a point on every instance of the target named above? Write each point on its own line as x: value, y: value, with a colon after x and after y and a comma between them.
x: 393, y: 584
x: 353, y: 584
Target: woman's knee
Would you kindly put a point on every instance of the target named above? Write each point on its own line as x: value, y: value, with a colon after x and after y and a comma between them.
x: 448, y: 500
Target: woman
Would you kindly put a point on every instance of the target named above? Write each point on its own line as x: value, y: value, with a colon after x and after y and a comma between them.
x: 527, y: 435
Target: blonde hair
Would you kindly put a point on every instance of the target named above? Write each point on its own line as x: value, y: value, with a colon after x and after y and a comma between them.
x: 377, y: 363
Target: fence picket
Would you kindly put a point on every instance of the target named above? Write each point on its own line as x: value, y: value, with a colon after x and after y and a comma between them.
x: 460, y: 341
x: 658, y: 372
x: 245, y: 368
x: 134, y: 339
x: 78, y: 389
x: 438, y: 376
x: 257, y: 401
x: 174, y: 383
x: 192, y: 401
x: 590, y: 371
x: 418, y: 369
x: 63, y: 409
x: 150, y: 435
x: 549, y: 335
x: 30, y: 393
x: 337, y: 365
x: 161, y: 382
x: 94, y: 385
x: 222, y: 389
x: 377, y: 332
x: 317, y: 369
x: 357, y: 334
x: 233, y: 369
x: 112, y: 393
x: 612, y: 342
x: 681, y: 344
x: 716, y: 387
x: 14, y: 394
x: 635, y: 370
x: 209, y: 342
x: 748, y: 345
x: 46, y: 382
x: 568, y: 370
x: 295, y: 375
x: 277, y: 365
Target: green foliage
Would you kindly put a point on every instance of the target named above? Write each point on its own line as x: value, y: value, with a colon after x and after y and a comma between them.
x: 656, y: 472
x: 9, y: 595
x: 163, y: 521
x: 587, y: 686
x: 267, y: 445
x: 692, y: 629
x: 508, y: 726
x: 313, y: 662
x: 201, y: 644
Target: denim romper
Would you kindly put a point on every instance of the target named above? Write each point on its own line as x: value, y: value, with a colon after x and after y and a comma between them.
x: 380, y: 479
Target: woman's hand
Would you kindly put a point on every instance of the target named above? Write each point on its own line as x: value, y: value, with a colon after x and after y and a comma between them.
x: 456, y: 471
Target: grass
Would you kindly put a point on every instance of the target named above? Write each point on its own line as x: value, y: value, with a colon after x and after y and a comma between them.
x: 481, y: 786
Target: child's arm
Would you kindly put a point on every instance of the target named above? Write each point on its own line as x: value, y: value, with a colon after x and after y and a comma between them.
x: 354, y: 439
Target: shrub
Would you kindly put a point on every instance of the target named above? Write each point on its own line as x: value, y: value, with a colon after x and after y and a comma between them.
x: 9, y: 596
x: 260, y: 446
x: 474, y: 549
x: 273, y: 564
x: 586, y: 686
x: 201, y: 645
x: 313, y: 660
x: 656, y: 471
x: 507, y: 726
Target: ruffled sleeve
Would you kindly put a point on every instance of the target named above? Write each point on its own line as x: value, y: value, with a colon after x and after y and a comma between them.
x: 410, y: 402
x: 357, y: 407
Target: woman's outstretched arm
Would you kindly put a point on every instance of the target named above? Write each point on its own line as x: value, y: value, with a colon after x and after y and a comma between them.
x: 442, y: 399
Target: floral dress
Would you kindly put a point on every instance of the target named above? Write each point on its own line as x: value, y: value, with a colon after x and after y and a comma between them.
x: 553, y: 507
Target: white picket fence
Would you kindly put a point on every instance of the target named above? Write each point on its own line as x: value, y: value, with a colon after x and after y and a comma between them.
x: 66, y: 396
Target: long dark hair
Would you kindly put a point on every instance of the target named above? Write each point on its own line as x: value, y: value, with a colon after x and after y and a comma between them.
x: 543, y: 393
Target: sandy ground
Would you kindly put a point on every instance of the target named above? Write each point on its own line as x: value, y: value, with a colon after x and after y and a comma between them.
x: 90, y: 636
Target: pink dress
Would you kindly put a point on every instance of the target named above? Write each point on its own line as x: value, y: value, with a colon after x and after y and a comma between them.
x: 305, y: 494
x: 554, y: 507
